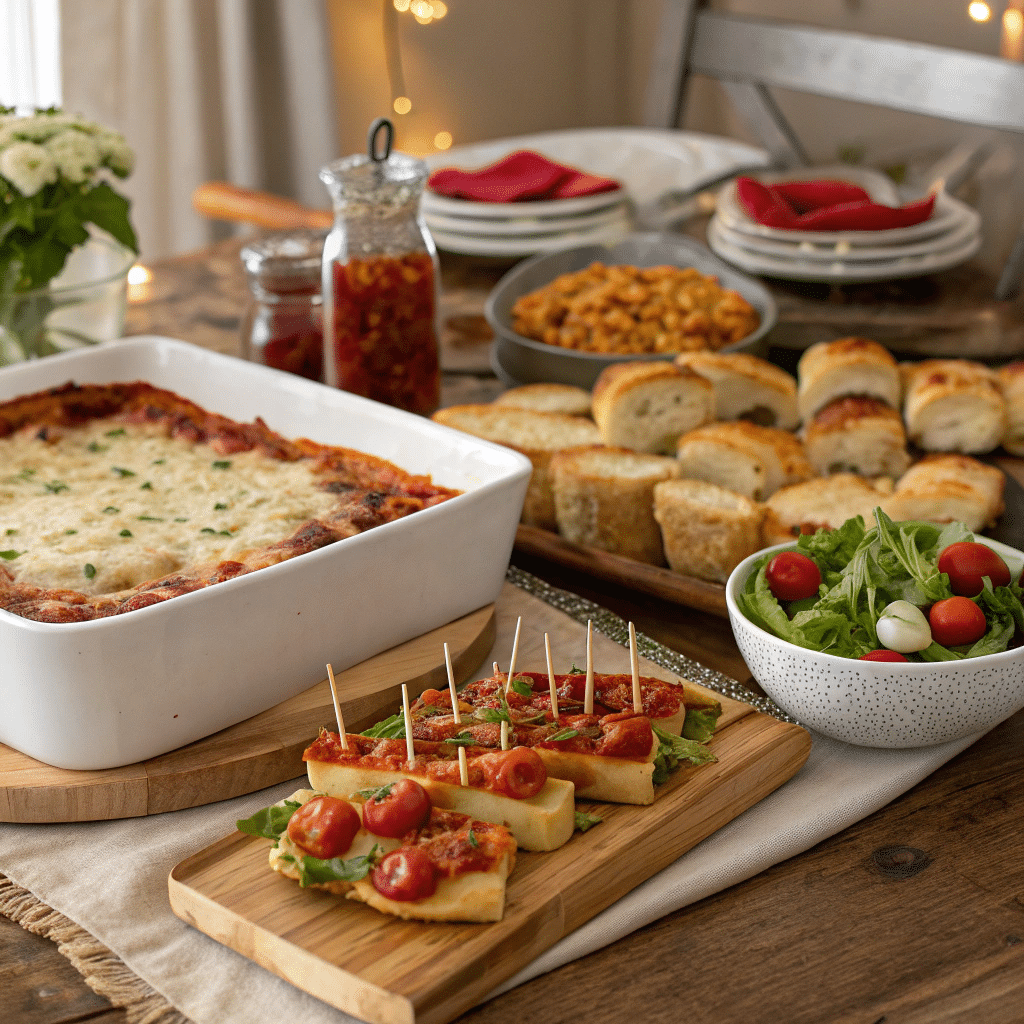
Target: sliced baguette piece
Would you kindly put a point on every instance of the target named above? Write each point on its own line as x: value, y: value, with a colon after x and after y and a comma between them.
x: 743, y: 457
x: 604, y: 498
x: 563, y: 398
x: 825, y: 502
x: 747, y: 388
x: 857, y: 435
x: 707, y: 530
x: 849, y: 366
x: 647, y: 406
x: 542, y: 822
x: 617, y: 780
x: 1011, y: 383
x: 538, y: 435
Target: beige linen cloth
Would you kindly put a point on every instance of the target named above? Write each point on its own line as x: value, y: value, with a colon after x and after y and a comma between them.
x: 111, y: 877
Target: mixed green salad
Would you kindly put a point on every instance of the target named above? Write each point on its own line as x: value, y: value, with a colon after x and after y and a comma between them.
x: 910, y: 591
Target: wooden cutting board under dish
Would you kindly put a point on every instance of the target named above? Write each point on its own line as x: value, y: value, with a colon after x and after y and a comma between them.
x: 259, y: 752
x: 388, y: 971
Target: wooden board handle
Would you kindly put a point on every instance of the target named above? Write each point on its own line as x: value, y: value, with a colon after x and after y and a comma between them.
x: 220, y: 200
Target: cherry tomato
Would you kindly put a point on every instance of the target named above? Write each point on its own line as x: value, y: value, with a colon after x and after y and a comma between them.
x: 966, y: 562
x: 405, y: 875
x: 324, y: 826
x: 882, y: 655
x: 404, y: 807
x: 956, y: 621
x: 518, y: 773
x: 792, y: 576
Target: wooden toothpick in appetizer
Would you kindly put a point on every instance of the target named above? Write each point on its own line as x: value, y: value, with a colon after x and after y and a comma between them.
x: 515, y: 653
x: 463, y: 768
x: 451, y: 687
x: 552, y: 689
x: 638, y: 702
x: 504, y: 733
x: 588, y: 693
x: 337, y: 709
x: 410, y: 749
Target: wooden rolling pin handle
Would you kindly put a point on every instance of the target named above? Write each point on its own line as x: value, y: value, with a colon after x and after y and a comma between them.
x: 220, y: 200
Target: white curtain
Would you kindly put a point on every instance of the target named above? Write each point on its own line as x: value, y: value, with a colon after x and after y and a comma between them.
x: 235, y: 90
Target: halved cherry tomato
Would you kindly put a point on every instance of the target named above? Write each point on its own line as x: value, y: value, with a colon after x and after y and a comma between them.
x: 966, y: 562
x: 882, y: 655
x: 518, y: 773
x: 792, y: 576
x: 403, y: 807
x: 324, y: 826
x: 405, y: 875
x: 956, y: 621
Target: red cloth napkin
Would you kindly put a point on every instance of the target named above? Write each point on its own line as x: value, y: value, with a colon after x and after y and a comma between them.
x: 825, y: 206
x: 517, y: 177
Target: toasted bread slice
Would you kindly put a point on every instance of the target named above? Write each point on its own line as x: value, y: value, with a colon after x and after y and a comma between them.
x: 849, y: 366
x: 825, y: 502
x: 562, y: 398
x: 857, y: 435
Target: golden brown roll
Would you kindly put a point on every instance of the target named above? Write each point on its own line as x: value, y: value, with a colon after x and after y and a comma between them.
x: 707, y: 530
x: 646, y: 406
x: 604, y: 498
x: 563, y: 398
x: 747, y: 388
x: 857, y: 435
x: 538, y: 435
x: 1011, y: 383
x: 743, y: 457
x: 849, y: 366
x: 949, y: 488
x: 825, y: 502
x: 953, y: 405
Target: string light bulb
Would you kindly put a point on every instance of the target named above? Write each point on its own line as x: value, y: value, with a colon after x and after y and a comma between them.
x: 978, y: 10
x: 401, y: 5
x: 402, y: 104
x: 443, y: 140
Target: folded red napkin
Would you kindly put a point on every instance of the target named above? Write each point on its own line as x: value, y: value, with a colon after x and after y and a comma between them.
x: 825, y: 206
x: 517, y: 177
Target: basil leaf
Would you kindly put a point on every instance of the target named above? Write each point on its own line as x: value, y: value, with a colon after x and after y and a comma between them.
x: 522, y: 687
x: 10, y: 554
x: 313, y: 870
x: 392, y: 728
x: 122, y: 472
x: 88, y: 570
x: 562, y: 734
x: 493, y: 715
x: 271, y: 822
x: 472, y: 839
x: 464, y: 739
x: 585, y: 820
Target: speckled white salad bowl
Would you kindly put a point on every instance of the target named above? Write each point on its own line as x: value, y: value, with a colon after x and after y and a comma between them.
x: 880, y: 704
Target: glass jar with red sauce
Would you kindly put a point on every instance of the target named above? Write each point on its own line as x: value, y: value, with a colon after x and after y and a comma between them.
x: 380, y: 281
x: 284, y: 325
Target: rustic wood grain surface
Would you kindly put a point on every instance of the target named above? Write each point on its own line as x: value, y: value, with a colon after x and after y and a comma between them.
x: 914, y: 915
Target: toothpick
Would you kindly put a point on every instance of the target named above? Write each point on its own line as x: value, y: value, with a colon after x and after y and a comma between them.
x: 588, y: 695
x: 638, y: 704
x: 463, y: 767
x: 337, y: 710
x: 515, y: 652
x: 504, y: 734
x: 451, y: 686
x: 410, y: 750
x: 551, y: 679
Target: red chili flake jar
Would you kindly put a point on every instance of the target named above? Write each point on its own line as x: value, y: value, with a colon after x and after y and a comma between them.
x: 380, y: 283
x: 284, y: 326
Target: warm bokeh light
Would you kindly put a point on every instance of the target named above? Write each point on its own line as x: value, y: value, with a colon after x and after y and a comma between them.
x: 139, y: 278
x: 401, y: 5
x: 979, y: 10
x: 402, y: 104
x: 443, y: 140
x: 440, y: 9
x: 1013, y: 21
x: 423, y: 11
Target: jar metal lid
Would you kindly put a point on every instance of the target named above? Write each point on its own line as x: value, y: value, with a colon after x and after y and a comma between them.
x: 292, y: 254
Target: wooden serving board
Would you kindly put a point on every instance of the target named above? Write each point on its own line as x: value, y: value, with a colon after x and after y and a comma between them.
x: 388, y: 971
x: 259, y: 752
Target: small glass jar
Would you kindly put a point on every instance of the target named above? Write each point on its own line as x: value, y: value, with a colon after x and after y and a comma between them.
x: 284, y: 326
x: 380, y: 283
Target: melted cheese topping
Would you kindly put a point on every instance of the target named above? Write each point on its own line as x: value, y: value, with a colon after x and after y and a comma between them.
x: 103, y: 509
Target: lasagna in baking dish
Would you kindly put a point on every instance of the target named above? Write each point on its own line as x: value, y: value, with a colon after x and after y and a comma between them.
x: 115, y: 497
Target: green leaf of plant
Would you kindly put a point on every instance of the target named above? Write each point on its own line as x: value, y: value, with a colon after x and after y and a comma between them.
x: 585, y: 820
x: 271, y: 822
x: 313, y: 870
x: 108, y: 210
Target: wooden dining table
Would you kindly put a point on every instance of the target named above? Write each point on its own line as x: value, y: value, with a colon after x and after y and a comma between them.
x: 914, y: 914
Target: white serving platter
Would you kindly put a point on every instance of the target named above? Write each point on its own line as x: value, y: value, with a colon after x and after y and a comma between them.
x: 505, y: 228
x: 114, y: 691
x: 485, y: 245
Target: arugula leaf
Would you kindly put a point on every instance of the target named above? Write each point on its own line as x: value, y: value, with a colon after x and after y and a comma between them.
x: 271, y: 822
x: 463, y: 739
x: 672, y: 750
x: 585, y: 820
x: 313, y: 870
x: 562, y: 734
x: 392, y: 728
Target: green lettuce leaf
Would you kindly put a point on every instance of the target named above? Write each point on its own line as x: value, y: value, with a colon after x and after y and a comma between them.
x: 674, y: 749
x: 271, y: 822
x: 700, y: 723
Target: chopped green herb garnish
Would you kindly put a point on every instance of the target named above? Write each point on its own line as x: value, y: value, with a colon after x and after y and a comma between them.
x: 585, y: 821
x: 472, y: 839
x: 224, y: 533
x: 115, y: 433
x: 219, y: 507
x: 26, y: 473
x: 149, y: 519
x: 110, y: 510
x: 207, y: 529
x: 70, y: 532
x: 181, y: 519
x: 562, y: 734
x: 377, y: 793
x: 56, y: 486
x: 10, y: 531
x: 147, y: 486
x: 222, y: 464
x: 271, y: 822
x: 126, y: 533
x: 88, y: 570
x: 121, y: 471
x: 10, y: 555
x: 574, y: 671
x: 464, y: 739
x: 95, y: 446
x: 158, y: 462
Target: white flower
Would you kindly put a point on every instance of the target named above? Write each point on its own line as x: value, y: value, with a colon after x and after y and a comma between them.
x: 115, y: 152
x: 27, y: 167
x: 75, y: 154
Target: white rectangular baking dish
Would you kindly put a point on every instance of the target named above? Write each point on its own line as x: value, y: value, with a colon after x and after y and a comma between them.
x: 118, y: 690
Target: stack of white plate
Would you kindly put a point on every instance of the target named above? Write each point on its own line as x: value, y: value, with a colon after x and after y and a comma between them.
x: 949, y: 237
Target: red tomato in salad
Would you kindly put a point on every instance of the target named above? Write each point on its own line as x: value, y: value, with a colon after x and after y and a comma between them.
x: 882, y: 655
x: 792, y: 576
x: 324, y: 827
x: 403, y: 807
x: 405, y: 875
x: 966, y: 562
x: 956, y: 621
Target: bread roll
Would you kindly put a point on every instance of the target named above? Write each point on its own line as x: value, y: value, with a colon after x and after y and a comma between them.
x: 857, y: 435
x: 538, y: 435
x: 1011, y: 383
x: 707, y: 530
x: 849, y: 366
x: 743, y: 457
x: 646, y: 406
x: 564, y: 398
x: 604, y: 498
x: 953, y: 405
x: 747, y: 388
x: 825, y: 502
x: 949, y: 488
